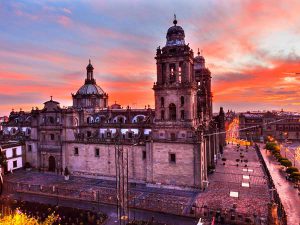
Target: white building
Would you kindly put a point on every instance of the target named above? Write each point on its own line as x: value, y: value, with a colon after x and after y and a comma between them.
x: 14, y: 155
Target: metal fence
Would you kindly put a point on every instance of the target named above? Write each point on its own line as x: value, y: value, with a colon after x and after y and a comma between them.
x: 168, y: 205
x: 280, y: 208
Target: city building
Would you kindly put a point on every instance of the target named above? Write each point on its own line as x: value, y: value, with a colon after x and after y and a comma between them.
x: 2, y: 119
x: 257, y: 126
x: 14, y: 154
x: 172, y: 144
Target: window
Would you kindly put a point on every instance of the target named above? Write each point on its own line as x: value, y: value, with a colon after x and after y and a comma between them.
x: 173, y: 136
x: 172, y: 158
x: 15, y: 163
x: 14, y: 152
x: 179, y: 72
x: 51, y: 119
x: 172, y: 111
x: 172, y: 73
x: 182, y: 114
x: 162, y: 114
x: 144, y: 155
x: 162, y: 102
x: 88, y: 133
x: 130, y: 135
x: 108, y: 134
x: 97, y: 152
x: 52, y: 137
x: 76, y: 152
x: 29, y: 148
x: 182, y: 101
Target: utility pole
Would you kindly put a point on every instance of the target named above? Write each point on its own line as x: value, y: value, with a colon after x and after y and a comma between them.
x: 121, y: 162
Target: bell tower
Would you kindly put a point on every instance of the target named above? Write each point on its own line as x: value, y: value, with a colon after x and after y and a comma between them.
x: 204, y: 93
x: 176, y: 88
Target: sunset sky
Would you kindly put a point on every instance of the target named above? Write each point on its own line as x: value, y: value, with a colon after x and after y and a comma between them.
x: 251, y: 47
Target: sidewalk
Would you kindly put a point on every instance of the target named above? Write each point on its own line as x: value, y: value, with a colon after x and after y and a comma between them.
x: 288, y: 194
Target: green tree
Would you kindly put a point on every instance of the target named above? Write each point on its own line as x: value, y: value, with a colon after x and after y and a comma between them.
x: 286, y: 163
x: 292, y: 169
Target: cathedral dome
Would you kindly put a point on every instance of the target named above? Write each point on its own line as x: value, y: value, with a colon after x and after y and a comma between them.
x: 89, y: 89
x: 175, y: 35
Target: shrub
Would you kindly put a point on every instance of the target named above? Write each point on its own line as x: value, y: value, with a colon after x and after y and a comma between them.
x: 237, y: 160
x: 292, y: 169
x: 295, y: 176
x: 224, y: 159
x: 286, y: 163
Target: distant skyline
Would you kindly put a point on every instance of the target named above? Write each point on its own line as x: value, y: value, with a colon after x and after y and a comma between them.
x: 251, y: 47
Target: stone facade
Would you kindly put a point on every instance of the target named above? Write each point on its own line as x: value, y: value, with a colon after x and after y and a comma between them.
x: 173, y: 144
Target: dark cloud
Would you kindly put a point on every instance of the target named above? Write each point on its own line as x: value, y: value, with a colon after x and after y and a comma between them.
x: 231, y: 77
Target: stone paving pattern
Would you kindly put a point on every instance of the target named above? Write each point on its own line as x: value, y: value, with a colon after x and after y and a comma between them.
x: 229, y: 177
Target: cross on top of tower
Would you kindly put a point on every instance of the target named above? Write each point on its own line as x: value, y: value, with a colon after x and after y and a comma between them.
x: 175, y: 20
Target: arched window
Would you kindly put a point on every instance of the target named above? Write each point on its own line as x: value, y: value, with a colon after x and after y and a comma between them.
x: 162, y: 102
x: 89, y: 119
x: 172, y: 111
x: 182, y: 101
x: 51, y: 119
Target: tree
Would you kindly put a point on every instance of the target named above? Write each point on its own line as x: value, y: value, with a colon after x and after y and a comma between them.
x: 291, y: 169
x: 286, y: 163
x: 19, y: 218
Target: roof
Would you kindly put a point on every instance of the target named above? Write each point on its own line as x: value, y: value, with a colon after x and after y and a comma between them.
x: 89, y: 89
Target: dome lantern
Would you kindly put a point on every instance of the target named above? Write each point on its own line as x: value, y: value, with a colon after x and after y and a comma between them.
x: 175, y: 35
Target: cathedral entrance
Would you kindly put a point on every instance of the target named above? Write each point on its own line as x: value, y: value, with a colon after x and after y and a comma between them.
x: 51, y: 164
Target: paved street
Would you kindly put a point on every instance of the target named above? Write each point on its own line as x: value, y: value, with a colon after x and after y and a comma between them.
x: 288, y: 194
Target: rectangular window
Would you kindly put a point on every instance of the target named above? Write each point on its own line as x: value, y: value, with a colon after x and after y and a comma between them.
x: 130, y: 135
x: 172, y: 158
x: 29, y: 148
x: 52, y: 137
x: 173, y: 136
x: 76, y: 151
x: 14, y: 152
x: 97, y: 152
x: 144, y: 155
x: 15, y: 164
x: 89, y: 134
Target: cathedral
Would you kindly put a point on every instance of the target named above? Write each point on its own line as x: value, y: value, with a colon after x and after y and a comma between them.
x: 173, y: 144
